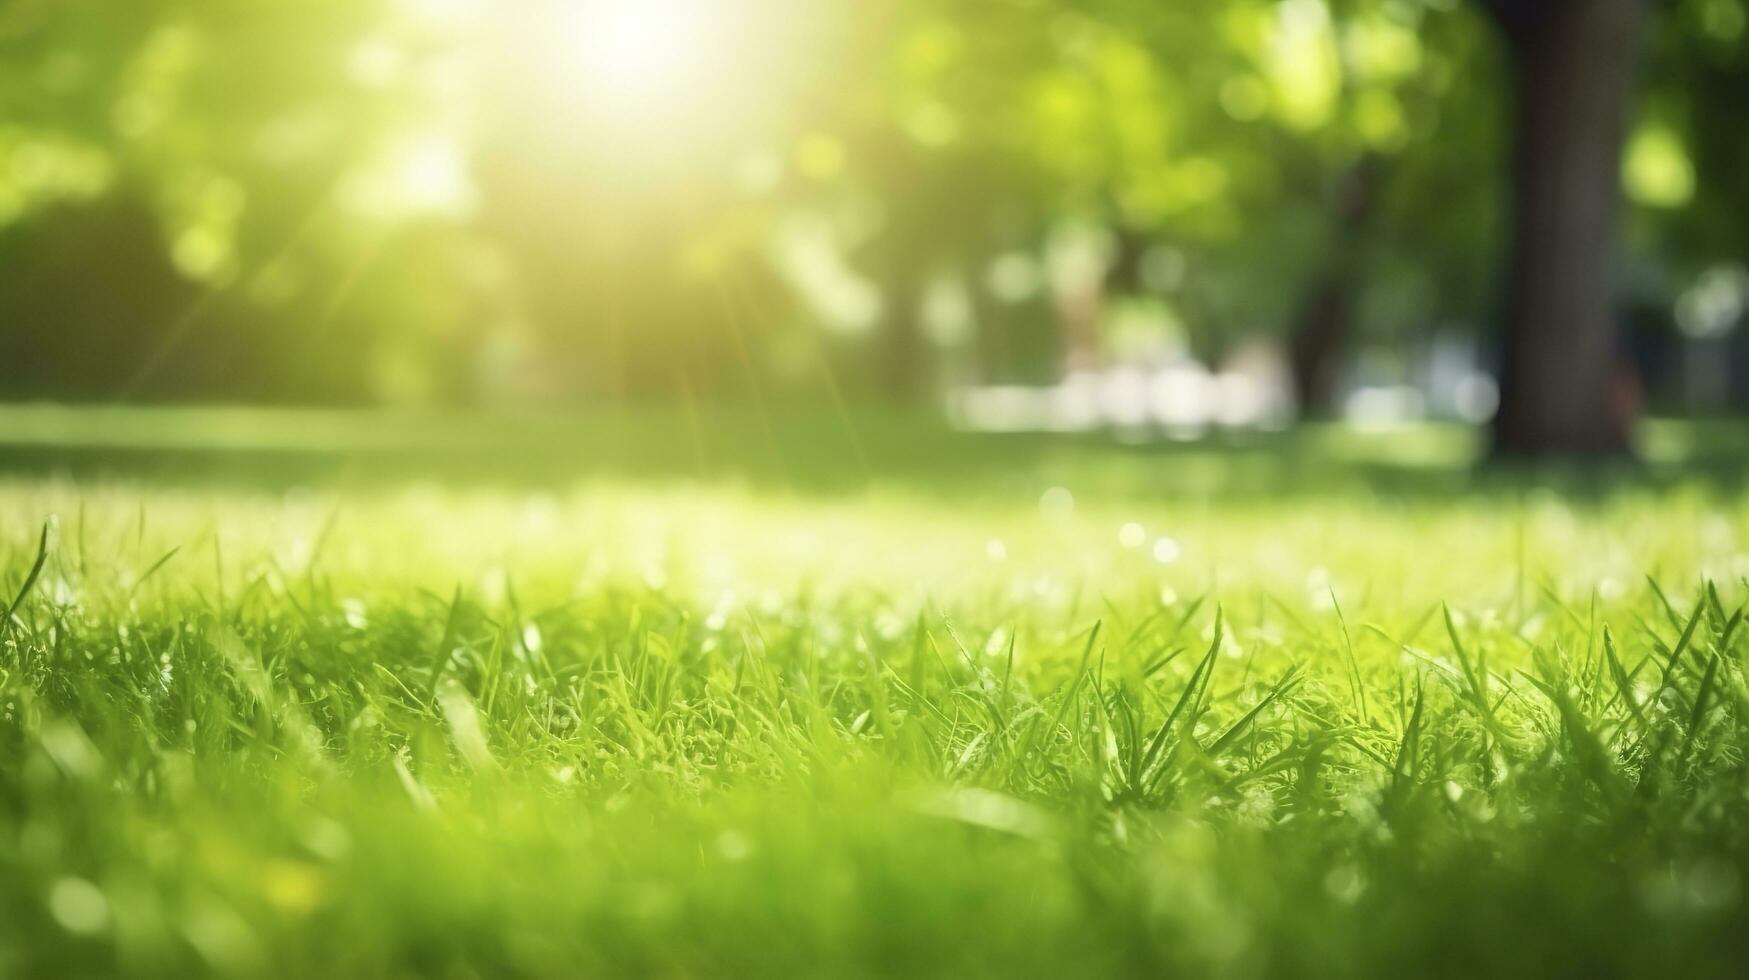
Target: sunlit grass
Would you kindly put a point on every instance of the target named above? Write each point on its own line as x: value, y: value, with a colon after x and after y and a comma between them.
x: 1078, y: 711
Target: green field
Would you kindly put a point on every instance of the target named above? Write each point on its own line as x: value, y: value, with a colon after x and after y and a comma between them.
x: 759, y: 695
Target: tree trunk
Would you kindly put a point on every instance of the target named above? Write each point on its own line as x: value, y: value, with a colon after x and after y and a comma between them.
x: 902, y: 342
x: 1320, y: 333
x: 1321, y: 326
x: 1573, y: 68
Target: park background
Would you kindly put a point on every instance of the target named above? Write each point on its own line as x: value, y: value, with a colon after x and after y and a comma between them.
x: 1121, y: 216
x: 862, y: 488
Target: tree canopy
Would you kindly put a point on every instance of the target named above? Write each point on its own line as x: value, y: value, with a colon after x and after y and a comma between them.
x: 445, y: 200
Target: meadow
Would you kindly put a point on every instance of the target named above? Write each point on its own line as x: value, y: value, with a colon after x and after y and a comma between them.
x: 754, y: 695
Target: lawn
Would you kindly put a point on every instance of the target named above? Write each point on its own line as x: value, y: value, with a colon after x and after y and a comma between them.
x: 294, y: 695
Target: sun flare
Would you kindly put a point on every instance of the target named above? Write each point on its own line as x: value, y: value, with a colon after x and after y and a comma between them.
x: 643, y: 52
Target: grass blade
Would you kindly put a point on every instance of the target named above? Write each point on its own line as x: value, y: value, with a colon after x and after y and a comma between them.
x: 30, y: 580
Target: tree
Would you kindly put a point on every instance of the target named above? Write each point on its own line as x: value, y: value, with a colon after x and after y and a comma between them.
x: 1339, y: 126
x: 1572, y: 67
x: 256, y: 185
x: 1316, y: 338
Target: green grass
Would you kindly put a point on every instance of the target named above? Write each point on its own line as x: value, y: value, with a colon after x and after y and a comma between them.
x: 589, y: 701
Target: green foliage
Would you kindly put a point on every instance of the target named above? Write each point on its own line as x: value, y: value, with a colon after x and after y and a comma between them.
x: 438, y: 201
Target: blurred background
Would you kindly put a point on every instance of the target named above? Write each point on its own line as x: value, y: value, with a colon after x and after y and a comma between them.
x: 1157, y: 219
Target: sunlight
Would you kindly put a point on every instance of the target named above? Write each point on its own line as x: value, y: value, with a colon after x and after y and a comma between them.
x: 639, y: 52
x: 432, y: 173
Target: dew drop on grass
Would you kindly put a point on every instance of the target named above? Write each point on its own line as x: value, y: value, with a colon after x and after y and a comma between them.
x: 1167, y: 551
x: 1345, y: 883
x: 889, y: 626
x: 1132, y: 535
x: 1057, y: 504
